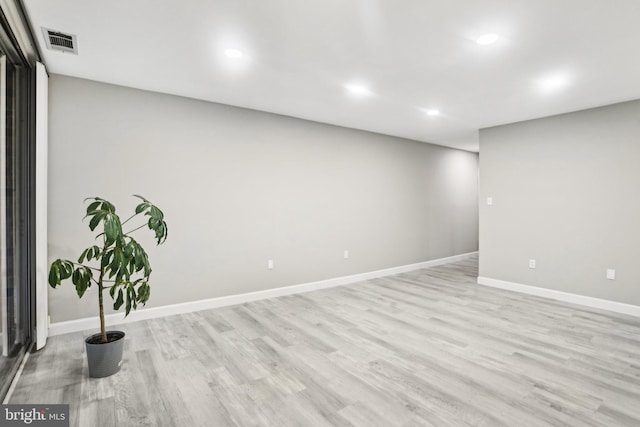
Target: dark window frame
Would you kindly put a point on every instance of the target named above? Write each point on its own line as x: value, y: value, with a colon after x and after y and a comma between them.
x: 23, y: 70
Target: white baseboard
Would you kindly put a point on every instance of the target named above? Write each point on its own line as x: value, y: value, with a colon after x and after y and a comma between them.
x: 88, y: 323
x: 618, y: 307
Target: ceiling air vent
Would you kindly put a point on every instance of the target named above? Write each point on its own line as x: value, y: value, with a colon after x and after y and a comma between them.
x: 62, y: 42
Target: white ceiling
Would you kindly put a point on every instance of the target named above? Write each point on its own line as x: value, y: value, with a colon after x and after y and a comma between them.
x: 411, y: 54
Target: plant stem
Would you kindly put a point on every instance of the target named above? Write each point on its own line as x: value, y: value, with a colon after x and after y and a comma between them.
x: 137, y: 228
x: 103, y: 330
x: 127, y: 220
x: 85, y: 266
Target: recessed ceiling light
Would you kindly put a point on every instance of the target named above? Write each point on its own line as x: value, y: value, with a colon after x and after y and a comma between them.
x: 233, y: 53
x: 553, y: 83
x: 486, y: 39
x: 432, y: 112
x: 357, y: 89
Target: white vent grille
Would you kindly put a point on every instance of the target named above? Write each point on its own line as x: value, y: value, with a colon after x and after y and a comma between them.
x: 62, y: 42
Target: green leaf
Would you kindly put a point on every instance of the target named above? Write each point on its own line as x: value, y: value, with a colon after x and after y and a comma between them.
x: 66, y: 269
x: 134, y: 297
x: 94, y: 253
x: 112, y: 229
x: 89, y: 275
x: 108, y: 207
x: 81, y: 280
x: 82, y: 255
x: 128, y: 250
x: 161, y: 232
x: 54, y: 274
x: 119, y: 301
x: 97, y: 217
x: 92, y: 207
x: 140, y: 256
x: 156, y: 213
x: 146, y: 265
x: 115, y: 264
x: 81, y: 289
x: 121, y: 260
x: 106, y: 258
x: 128, y: 305
x: 141, y: 207
x: 144, y: 292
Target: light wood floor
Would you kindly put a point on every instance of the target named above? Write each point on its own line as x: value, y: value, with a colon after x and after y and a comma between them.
x: 426, y: 348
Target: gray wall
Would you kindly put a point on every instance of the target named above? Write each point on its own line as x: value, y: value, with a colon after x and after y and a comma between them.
x: 239, y: 187
x: 566, y: 193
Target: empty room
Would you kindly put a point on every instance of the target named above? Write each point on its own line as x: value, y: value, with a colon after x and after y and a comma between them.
x: 327, y: 213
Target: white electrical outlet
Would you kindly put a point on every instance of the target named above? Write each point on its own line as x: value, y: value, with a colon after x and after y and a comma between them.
x: 611, y: 274
x: 346, y: 254
x: 270, y: 264
x: 532, y: 263
x: 489, y: 201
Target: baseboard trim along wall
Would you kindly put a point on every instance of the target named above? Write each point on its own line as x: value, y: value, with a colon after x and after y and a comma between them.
x: 89, y: 323
x: 618, y: 307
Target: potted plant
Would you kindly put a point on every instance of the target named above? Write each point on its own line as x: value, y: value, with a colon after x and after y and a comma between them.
x: 120, y: 265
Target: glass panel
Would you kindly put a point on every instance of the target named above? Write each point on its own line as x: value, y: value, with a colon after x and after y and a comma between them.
x: 12, y: 224
x: 4, y: 301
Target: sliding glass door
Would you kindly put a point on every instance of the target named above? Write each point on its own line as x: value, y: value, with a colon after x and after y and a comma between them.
x: 16, y: 218
x: 18, y: 63
x: 12, y: 319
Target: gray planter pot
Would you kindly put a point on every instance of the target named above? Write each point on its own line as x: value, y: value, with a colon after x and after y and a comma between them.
x: 104, y: 359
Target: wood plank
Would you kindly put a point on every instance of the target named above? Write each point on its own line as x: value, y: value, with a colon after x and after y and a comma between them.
x: 422, y: 348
